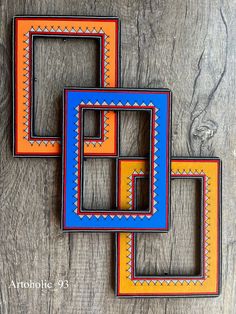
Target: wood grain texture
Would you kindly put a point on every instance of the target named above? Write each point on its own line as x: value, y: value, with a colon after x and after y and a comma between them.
x: 60, y: 62
x: 178, y: 251
x: 187, y: 46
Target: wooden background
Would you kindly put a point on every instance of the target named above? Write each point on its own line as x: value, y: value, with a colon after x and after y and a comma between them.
x: 187, y: 46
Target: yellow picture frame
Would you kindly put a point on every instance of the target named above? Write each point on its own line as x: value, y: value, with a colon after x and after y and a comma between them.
x: 128, y: 284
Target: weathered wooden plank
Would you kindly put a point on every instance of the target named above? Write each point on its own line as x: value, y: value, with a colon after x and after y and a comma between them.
x: 187, y: 46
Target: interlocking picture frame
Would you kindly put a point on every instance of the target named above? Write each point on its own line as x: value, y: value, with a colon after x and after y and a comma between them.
x: 106, y: 143
x: 26, y: 29
x: 158, y: 104
x: 129, y: 284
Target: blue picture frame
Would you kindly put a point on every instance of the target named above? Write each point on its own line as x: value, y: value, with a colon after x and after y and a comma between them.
x: 158, y: 103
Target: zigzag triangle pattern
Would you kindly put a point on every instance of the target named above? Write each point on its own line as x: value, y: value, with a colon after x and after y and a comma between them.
x: 130, y: 254
x: 105, y: 135
x: 155, y: 164
x: 47, y: 29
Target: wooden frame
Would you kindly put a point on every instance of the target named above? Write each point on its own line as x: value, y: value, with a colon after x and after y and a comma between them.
x: 26, y: 29
x: 129, y: 284
x: 158, y: 104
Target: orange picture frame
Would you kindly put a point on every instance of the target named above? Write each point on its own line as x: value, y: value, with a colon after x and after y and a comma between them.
x: 26, y: 29
x: 106, y: 143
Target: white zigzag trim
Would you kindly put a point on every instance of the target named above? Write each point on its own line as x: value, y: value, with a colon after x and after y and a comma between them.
x: 51, y: 29
x: 206, y: 245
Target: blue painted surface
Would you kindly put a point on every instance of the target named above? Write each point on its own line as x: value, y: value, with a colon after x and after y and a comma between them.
x: 158, y: 220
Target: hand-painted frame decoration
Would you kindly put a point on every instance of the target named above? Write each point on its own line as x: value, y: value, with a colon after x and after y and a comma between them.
x: 128, y: 283
x: 106, y: 143
x: 26, y: 29
x: 129, y: 171
x: 157, y: 103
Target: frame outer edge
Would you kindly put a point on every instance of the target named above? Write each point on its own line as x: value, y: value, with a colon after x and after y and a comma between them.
x: 62, y: 160
x: 13, y: 86
x: 220, y: 227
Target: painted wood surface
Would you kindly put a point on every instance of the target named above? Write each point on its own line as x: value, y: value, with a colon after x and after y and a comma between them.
x: 187, y: 46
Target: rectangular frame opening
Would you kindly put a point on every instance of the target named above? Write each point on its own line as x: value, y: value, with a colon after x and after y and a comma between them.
x: 178, y: 252
x: 99, y: 179
x: 135, y: 133
x: 142, y: 188
x: 91, y: 124
x: 59, y: 61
